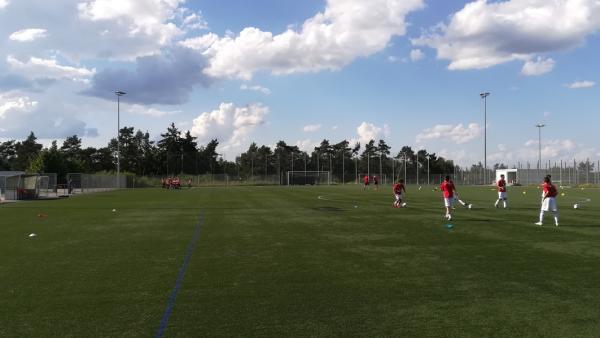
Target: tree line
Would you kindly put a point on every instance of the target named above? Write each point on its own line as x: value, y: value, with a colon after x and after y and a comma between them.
x: 177, y: 152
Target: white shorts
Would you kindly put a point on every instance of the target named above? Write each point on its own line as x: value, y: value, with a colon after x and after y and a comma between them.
x: 549, y: 204
x: 502, y: 195
x: 398, y: 197
x: 449, y: 202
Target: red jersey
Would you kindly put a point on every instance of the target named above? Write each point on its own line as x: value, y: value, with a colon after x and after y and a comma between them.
x: 447, y: 189
x: 366, y: 179
x: 549, y: 190
x: 501, y: 185
x: 398, y: 188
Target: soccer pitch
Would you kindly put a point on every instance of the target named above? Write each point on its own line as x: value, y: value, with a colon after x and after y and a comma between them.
x: 299, y: 261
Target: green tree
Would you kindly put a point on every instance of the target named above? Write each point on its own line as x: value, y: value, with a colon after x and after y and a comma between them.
x: 8, y: 154
x: 26, y: 151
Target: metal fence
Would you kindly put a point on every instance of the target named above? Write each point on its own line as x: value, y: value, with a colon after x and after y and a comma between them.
x: 78, y: 183
x: 203, y: 180
x: 25, y: 187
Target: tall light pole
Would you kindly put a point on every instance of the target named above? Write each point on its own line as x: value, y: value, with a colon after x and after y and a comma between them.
x: 484, y: 96
x: 539, y: 127
x: 119, y: 93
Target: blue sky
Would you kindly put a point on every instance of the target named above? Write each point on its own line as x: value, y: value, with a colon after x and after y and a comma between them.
x: 407, y: 71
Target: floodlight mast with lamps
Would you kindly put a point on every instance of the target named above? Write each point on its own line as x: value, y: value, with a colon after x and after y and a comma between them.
x: 119, y: 93
x: 540, y: 126
x: 484, y: 96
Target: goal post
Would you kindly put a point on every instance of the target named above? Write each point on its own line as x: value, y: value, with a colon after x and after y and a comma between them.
x: 308, y: 177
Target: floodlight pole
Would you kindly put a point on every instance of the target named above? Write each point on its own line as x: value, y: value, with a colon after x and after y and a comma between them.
x: 343, y: 168
x: 119, y: 93
x: 405, y: 179
x: 428, y: 171
x: 484, y: 96
x: 540, y: 126
x: 417, y: 165
x: 380, y: 168
x: 182, y: 160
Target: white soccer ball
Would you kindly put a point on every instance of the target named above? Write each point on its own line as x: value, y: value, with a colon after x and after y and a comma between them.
x: 114, y: 210
x: 470, y: 206
x: 403, y: 204
x: 32, y: 235
x: 575, y: 206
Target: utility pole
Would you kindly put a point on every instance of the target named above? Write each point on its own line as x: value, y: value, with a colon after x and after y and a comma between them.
x: 484, y: 96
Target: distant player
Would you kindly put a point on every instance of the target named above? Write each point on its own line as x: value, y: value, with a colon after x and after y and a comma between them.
x: 501, y: 187
x: 549, y: 193
x: 366, y: 182
x: 448, y: 191
x: 398, y: 189
x: 189, y: 183
x: 375, y: 182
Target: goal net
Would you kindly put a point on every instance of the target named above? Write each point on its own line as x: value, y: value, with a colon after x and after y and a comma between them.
x: 308, y: 177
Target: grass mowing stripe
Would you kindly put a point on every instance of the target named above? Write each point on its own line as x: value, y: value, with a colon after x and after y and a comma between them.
x: 171, y: 302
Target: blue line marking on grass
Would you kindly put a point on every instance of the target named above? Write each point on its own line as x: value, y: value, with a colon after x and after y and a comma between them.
x: 171, y: 302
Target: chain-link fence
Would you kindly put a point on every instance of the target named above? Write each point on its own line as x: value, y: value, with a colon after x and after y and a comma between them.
x: 26, y: 187
x: 201, y: 180
x: 78, y: 183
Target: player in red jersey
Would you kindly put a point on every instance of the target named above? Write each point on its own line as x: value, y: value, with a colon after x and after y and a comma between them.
x: 366, y: 182
x: 448, y: 190
x: 548, y: 201
x: 376, y: 182
x: 398, y: 189
x: 501, y: 187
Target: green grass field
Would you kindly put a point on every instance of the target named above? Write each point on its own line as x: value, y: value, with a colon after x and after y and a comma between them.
x: 279, y: 261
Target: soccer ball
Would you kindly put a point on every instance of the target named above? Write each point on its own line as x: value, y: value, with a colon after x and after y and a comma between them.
x: 404, y: 204
x: 114, y: 210
x: 575, y: 206
x: 470, y: 206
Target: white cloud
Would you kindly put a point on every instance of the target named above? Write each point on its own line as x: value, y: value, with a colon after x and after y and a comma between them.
x: 485, y: 34
x: 150, y: 111
x: 256, y: 88
x: 229, y: 124
x: 49, y: 68
x: 416, y: 55
x: 307, y: 145
x: 10, y: 104
x: 344, y: 31
x: 368, y: 131
x: 537, y: 67
x: 29, y: 34
x: 310, y: 128
x: 148, y: 17
x: 4, y: 4
x: 99, y: 29
x: 456, y: 133
x: 191, y: 21
x: 581, y: 84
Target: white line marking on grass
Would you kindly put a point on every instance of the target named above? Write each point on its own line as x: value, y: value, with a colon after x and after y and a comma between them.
x: 186, y: 260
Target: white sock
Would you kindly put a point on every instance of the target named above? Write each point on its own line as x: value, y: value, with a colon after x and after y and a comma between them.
x: 496, y: 204
x: 541, y: 216
x: 505, y: 204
